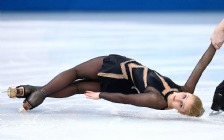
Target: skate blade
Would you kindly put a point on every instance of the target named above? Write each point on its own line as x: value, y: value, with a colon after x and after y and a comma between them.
x: 22, y: 110
x: 214, y: 113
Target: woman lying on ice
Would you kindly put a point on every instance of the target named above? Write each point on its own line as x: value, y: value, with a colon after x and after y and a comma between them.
x: 122, y: 80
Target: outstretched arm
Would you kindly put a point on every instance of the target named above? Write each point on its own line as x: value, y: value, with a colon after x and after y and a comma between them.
x: 217, y: 40
x: 198, y: 70
x: 150, y: 100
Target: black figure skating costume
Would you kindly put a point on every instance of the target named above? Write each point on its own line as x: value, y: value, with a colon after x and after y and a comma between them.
x: 124, y: 75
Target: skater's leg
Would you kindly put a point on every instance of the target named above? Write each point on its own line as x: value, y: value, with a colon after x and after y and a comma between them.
x: 218, y: 98
x: 86, y: 70
x: 78, y: 87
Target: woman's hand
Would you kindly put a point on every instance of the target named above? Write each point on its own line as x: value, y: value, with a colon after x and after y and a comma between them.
x: 217, y: 37
x: 92, y: 95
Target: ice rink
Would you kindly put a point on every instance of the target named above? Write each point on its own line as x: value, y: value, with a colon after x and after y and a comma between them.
x: 35, y: 47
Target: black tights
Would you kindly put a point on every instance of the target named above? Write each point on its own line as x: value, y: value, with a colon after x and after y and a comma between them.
x: 78, y: 87
x: 75, y: 80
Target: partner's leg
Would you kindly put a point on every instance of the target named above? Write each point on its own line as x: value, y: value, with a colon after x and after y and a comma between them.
x: 218, y: 98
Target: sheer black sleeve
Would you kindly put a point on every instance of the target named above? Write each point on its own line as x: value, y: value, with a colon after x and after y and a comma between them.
x: 150, y: 99
x: 198, y: 70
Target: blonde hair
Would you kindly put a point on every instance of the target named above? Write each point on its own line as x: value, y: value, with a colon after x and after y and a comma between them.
x: 196, y: 109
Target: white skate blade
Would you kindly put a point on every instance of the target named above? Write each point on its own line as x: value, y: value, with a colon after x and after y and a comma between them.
x: 22, y: 110
x: 213, y: 113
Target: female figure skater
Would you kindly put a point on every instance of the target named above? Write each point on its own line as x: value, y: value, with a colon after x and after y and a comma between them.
x: 217, y: 40
x: 122, y: 80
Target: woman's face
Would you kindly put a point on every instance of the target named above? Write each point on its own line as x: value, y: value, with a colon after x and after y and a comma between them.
x: 181, y: 101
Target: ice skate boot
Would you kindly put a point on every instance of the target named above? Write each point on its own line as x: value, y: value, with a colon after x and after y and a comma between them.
x: 22, y: 91
x: 218, y: 98
x: 35, y: 99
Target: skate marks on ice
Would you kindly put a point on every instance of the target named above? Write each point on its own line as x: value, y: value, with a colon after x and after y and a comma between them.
x: 78, y: 114
x: 79, y: 108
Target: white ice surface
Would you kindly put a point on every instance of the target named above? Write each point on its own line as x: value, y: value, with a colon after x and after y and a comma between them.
x: 36, y: 47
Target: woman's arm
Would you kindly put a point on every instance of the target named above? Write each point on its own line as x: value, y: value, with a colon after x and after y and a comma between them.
x: 150, y: 99
x: 198, y: 70
x: 217, y: 41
